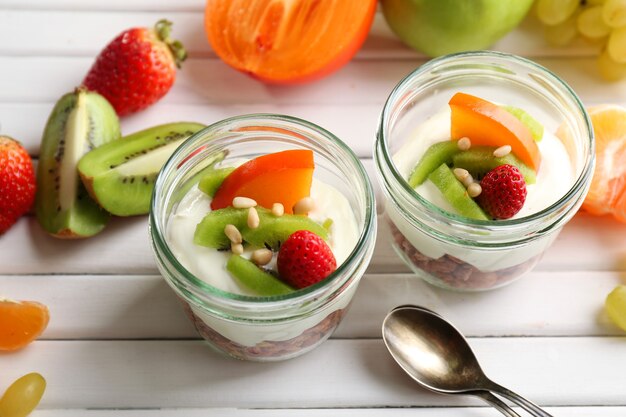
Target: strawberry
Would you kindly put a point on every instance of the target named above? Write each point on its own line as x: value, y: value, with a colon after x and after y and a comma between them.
x: 503, y: 192
x: 17, y: 182
x: 304, y: 259
x: 137, y: 68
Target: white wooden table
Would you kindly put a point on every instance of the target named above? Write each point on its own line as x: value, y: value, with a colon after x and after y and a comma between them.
x: 119, y: 344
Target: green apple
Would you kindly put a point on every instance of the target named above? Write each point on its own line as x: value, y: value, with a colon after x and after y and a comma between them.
x: 439, y: 27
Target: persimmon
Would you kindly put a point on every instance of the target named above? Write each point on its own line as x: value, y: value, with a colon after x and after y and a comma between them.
x: 488, y: 124
x: 281, y: 177
x: 21, y: 322
x: 287, y: 41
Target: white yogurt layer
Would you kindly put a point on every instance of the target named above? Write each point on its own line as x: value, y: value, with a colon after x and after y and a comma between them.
x: 210, y: 265
x: 554, y: 179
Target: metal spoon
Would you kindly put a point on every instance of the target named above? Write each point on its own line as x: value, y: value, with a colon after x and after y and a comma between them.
x: 436, y: 355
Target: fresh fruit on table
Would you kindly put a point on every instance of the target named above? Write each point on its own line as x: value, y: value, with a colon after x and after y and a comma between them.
x: 455, y: 193
x: 439, y: 27
x: 281, y: 177
x: 272, y: 230
x: 22, y: 396
x: 615, y: 306
x: 17, y: 182
x: 80, y: 122
x: 256, y: 279
x: 120, y: 175
x: 137, y: 68
x: 598, y: 20
x: 488, y: 124
x: 305, y: 259
x: 287, y: 41
x: 503, y: 192
x: 21, y: 322
x: 607, y: 193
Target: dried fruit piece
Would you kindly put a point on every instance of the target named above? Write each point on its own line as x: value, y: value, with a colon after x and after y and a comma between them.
x: 305, y: 259
x: 21, y: 398
x: 282, y: 177
x: 17, y: 182
x: 21, y: 322
x: 488, y: 124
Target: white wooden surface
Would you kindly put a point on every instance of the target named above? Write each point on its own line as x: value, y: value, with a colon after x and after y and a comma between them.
x: 118, y: 343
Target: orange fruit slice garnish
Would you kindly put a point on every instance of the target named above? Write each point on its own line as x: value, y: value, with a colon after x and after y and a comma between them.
x: 487, y: 124
x: 607, y: 193
x: 281, y: 177
x: 287, y: 41
x: 21, y: 322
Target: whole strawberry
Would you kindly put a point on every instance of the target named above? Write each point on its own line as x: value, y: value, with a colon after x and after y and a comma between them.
x: 304, y: 259
x: 137, y: 68
x: 503, y: 192
x: 17, y: 182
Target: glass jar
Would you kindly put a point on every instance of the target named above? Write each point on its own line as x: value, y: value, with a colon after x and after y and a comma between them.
x: 250, y: 327
x: 452, y: 251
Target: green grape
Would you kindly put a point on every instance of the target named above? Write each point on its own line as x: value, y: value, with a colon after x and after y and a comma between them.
x: 553, y: 12
x: 614, y: 13
x: 595, y: 2
x: 22, y: 396
x: 590, y: 23
x: 616, y: 46
x: 615, y: 306
x: 561, y: 34
x: 609, y: 69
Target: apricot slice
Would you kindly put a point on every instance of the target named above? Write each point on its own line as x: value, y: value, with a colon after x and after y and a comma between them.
x: 488, y: 124
x: 287, y: 41
x: 21, y: 322
x: 282, y: 177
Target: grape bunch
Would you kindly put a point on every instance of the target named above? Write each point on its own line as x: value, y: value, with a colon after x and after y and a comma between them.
x: 597, y: 20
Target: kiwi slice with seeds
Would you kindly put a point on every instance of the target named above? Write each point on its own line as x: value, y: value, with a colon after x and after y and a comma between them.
x: 120, y: 176
x: 480, y: 160
x: 255, y: 278
x: 456, y: 194
x: 435, y: 155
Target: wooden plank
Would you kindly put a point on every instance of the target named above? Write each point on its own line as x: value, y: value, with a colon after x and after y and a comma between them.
x: 350, y: 412
x: 79, y: 37
x: 339, y: 374
x: 144, y: 307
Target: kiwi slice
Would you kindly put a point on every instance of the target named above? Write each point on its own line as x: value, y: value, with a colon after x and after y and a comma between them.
x: 255, y: 278
x: 454, y: 191
x: 480, y: 160
x: 79, y: 122
x: 120, y: 176
x: 536, y: 128
x: 271, y: 232
x: 212, y: 180
x: 435, y: 155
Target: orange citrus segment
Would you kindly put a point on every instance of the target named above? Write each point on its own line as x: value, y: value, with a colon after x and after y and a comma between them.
x: 282, y: 177
x: 21, y: 322
x: 607, y: 192
x: 287, y: 41
x: 487, y: 124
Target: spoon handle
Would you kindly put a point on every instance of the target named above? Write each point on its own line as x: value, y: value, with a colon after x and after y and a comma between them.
x: 529, y: 406
x: 496, y: 403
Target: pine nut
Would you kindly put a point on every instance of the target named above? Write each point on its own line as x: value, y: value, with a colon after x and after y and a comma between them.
x: 233, y: 234
x: 460, y: 173
x: 464, y: 143
x: 278, y: 209
x: 253, y: 218
x: 502, y: 151
x: 243, y: 202
x: 474, y: 189
x: 236, y: 248
x: 261, y: 256
x: 304, y: 206
x: 467, y: 181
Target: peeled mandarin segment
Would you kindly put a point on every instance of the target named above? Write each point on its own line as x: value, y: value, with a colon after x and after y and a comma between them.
x: 488, y: 124
x: 21, y: 322
x: 291, y: 41
x: 609, y: 178
x: 282, y: 177
x: 21, y: 398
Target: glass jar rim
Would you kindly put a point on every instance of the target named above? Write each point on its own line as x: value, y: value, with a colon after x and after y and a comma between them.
x: 382, y: 146
x: 308, y: 294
